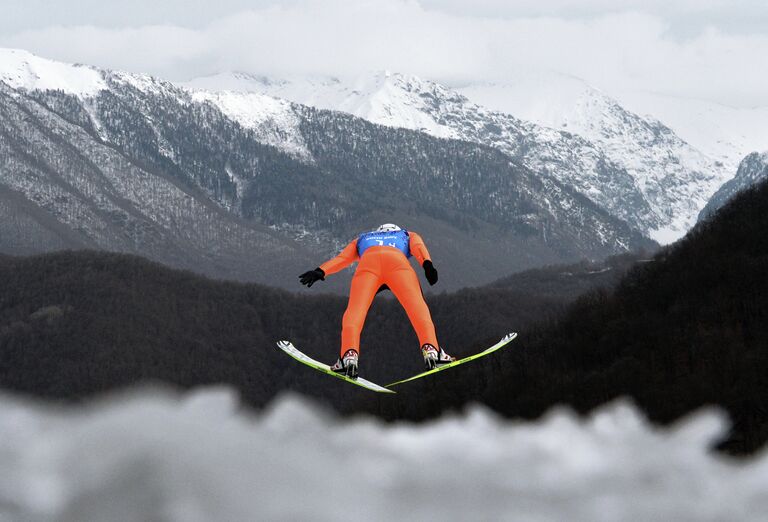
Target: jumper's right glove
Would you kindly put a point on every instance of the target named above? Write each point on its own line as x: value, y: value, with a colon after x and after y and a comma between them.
x: 311, y: 277
x: 430, y: 272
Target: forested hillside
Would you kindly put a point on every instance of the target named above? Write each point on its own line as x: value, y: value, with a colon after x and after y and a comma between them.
x: 76, y: 323
x: 688, y: 329
x: 684, y: 329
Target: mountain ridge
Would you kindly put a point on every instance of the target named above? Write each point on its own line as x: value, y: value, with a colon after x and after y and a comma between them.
x: 635, y: 167
x: 143, y: 166
x: 752, y: 169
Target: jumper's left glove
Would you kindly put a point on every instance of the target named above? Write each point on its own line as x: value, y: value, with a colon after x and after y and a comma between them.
x: 311, y: 277
x: 430, y: 272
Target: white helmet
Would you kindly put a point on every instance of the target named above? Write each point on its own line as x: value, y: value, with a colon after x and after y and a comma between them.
x: 388, y: 227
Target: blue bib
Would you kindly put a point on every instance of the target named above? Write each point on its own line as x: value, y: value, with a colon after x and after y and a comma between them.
x: 399, y: 240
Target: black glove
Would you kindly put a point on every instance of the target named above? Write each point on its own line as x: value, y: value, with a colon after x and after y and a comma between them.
x: 309, y: 278
x: 430, y: 272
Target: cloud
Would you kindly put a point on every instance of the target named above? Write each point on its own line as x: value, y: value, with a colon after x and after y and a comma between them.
x: 611, y: 48
x: 37, y: 14
x: 161, y: 50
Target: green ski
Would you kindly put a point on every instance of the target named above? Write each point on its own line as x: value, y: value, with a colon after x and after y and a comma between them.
x: 303, y: 358
x: 501, y: 344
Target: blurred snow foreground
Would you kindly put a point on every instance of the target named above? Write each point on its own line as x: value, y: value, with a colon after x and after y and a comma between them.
x: 155, y: 456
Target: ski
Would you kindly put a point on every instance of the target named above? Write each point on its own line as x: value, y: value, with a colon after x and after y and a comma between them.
x: 501, y: 344
x: 303, y: 358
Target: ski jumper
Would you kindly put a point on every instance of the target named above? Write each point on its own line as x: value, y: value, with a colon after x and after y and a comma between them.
x: 383, y: 260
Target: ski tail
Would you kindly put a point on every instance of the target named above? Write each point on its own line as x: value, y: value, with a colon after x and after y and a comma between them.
x: 303, y: 358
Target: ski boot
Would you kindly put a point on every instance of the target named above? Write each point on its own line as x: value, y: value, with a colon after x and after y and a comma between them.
x: 347, y: 364
x: 434, y: 357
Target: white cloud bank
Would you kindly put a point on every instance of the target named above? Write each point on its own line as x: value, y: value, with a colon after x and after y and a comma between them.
x: 450, y: 41
x: 154, y: 456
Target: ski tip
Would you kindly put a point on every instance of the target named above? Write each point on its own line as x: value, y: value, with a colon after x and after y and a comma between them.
x: 509, y: 336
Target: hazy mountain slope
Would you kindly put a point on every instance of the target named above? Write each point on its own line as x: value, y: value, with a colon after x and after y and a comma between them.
x: 81, y: 192
x: 753, y: 169
x: 567, y: 282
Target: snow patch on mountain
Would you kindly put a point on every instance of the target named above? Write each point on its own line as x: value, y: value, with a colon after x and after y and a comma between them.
x: 274, y: 121
x: 376, y: 97
x: 23, y: 70
x: 231, y: 81
x: 144, y: 83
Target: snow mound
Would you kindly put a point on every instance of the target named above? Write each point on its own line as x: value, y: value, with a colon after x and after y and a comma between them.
x: 199, y: 457
x: 23, y: 70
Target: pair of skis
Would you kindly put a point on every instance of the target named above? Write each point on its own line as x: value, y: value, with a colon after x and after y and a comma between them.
x: 291, y: 350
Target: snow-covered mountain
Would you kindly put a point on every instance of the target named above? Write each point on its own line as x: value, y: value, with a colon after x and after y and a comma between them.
x: 23, y: 70
x: 86, y: 161
x: 636, y: 168
x: 675, y: 178
x: 752, y: 169
x: 274, y: 121
x: 252, y: 187
x: 725, y: 133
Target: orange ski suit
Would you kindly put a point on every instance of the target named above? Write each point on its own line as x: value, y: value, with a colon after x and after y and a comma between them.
x: 383, y: 265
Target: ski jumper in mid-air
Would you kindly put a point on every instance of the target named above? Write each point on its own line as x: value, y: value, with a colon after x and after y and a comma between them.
x: 383, y: 263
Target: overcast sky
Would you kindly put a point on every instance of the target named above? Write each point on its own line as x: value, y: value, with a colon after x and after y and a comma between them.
x: 711, y: 49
